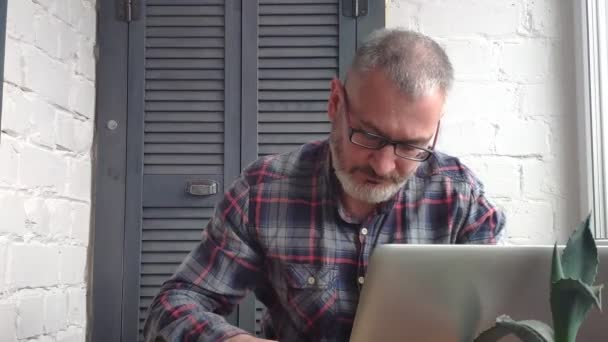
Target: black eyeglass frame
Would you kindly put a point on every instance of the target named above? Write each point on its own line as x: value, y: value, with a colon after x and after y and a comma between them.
x: 383, y: 141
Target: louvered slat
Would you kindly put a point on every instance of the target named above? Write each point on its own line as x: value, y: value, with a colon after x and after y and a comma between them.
x: 185, y: 11
x: 296, y: 18
x: 156, y: 32
x: 309, y: 63
x: 298, y: 74
x: 298, y: 52
x: 185, y: 42
x: 186, y: 2
x: 292, y: 106
x: 183, y: 53
x: 287, y: 2
x: 293, y: 117
x: 183, y: 138
x: 291, y: 127
x: 167, y: 106
x: 184, y: 169
x: 182, y: 148
x: 216, y: 73
x: 188, y: 127
x: 176, y: 20
x: 184, y: 63
x: 200, y: 215
x: 185, y: 85
x: 184, y: 117
x: 301, y: 30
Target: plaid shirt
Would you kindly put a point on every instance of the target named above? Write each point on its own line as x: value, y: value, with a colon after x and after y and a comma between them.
x: 280, y: 232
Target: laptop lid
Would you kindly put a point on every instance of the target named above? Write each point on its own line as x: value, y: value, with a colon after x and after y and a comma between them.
x: 453, y: 292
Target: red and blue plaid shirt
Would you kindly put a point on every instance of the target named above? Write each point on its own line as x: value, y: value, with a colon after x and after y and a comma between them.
x: 279, y: 231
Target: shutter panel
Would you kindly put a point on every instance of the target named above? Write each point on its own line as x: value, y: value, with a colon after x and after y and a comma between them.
x: 184, y: 93
x: 297, y: 58
x: 184, y: 132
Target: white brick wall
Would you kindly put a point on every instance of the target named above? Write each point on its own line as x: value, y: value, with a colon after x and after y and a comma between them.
x: 45, y: 173
x: 511, y: 115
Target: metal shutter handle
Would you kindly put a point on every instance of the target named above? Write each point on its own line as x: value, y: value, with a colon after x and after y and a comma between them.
x: 204, y: 187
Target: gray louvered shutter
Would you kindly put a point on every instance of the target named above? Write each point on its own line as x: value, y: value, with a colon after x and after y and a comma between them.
x: 186, y: 130
x: 298, y: 57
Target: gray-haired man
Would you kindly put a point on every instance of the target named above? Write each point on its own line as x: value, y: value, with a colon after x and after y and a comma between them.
x: 298, y: 229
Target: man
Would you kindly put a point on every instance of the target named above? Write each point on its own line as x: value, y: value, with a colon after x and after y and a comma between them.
x: 298, y: 229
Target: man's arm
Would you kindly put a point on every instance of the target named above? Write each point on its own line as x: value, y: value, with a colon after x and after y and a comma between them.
x: 484, y: 222
x: 212, y: 279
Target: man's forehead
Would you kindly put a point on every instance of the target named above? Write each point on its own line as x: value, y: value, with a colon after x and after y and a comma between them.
x: 381, y: 108
x: 375, y: 88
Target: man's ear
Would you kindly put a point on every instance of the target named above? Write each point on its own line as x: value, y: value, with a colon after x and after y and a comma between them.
x: 333, y: 102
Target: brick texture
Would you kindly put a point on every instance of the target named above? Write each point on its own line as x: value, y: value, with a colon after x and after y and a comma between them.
x: 45, y: 174
x: 511, y: 114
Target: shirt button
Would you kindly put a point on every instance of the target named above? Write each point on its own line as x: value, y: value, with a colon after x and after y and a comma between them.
x: 361, y: 280
x: 364, y: 231
x: 311, y: 280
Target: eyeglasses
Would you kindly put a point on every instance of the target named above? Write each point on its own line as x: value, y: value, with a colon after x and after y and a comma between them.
x: 375, y: 142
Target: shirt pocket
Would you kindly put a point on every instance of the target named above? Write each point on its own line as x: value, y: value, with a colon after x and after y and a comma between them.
x: 312, y: 294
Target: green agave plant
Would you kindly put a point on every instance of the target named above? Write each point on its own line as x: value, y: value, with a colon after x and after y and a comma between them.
x: 572, y: 295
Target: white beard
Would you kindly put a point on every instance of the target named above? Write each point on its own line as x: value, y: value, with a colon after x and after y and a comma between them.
x: 369, y: 193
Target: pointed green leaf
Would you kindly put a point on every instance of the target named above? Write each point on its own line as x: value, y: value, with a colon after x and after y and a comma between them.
x: 579, y: 260
x: 571, y: 301
x: 528, y: 331
x: 557, y: 271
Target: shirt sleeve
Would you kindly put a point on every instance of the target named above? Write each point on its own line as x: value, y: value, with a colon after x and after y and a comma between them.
x: 213, y: 278
x: 484, y: 223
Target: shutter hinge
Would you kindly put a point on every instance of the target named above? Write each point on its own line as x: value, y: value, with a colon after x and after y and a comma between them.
x: 355, y: 8
x: 128, y: 10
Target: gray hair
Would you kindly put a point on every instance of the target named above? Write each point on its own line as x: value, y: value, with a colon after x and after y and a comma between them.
x: 416, y: 63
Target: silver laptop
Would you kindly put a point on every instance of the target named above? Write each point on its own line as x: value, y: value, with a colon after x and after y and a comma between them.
x: 452, y: 293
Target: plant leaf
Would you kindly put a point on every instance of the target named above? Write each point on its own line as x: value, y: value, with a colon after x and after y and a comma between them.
x: 528, y: 331
x: 579, y: 259
x: 571, y: 301
x: 557, y: 272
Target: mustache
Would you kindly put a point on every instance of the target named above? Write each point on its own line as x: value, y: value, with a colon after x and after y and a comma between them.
x: 368, y: 171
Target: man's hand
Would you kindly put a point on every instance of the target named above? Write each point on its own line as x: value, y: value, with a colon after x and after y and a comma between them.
x: 247, y: 338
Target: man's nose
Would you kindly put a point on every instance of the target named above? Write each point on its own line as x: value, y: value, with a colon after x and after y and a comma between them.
x: 383, y: 161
